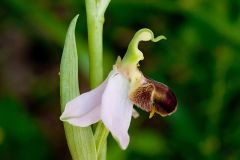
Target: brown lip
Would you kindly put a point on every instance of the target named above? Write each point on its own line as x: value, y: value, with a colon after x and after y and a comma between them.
x: 152, y: 94
x: 163, y: 98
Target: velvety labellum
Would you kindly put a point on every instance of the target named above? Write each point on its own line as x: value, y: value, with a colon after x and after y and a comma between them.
x: 153, y: 96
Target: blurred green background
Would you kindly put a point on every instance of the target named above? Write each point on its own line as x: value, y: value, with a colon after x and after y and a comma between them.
x: 200, y: 61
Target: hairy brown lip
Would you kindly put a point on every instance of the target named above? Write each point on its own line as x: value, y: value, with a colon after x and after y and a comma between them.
x: 154, y: 96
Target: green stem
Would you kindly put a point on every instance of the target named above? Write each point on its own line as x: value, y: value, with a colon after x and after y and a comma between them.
x: 100, y: 136
x: 95, y: 20
x: 95, y: 57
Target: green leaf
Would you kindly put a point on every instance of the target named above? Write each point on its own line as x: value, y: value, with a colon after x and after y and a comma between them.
x: 80, y: 140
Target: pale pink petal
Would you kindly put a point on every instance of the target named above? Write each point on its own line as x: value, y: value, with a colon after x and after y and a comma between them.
x: 85, y: 103
x: 87, y: 119
x: 116, y: 111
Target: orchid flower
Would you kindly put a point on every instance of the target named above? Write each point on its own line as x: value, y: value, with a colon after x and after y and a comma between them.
x: 113, y: 100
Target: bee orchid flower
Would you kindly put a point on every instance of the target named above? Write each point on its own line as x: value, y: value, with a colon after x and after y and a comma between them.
x: 113, y: 100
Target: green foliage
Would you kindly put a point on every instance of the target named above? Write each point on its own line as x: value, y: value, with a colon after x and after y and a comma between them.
x: 78, y: 138
x: 20, y: 138
x: 200, y: 61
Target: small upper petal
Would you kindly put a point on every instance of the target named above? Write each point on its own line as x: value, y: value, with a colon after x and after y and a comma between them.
x: 135, y: 113
x: 117, y: 109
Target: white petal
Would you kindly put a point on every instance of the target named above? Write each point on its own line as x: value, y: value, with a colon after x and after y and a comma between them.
x: 85, y: 104
x: 117, y: 109
x: 87, y: 119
